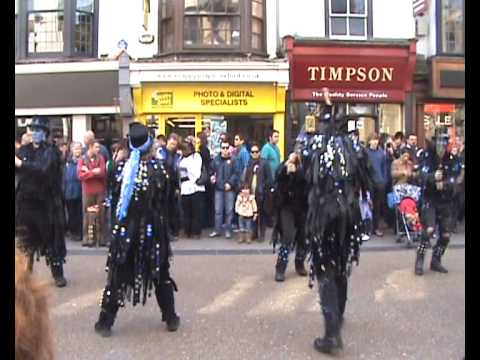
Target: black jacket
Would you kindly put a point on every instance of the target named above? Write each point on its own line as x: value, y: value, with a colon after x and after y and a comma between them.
x: 264, y: 178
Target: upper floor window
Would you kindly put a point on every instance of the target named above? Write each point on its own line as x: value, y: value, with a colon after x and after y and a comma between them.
x: 217, y: 25
x: 348, y: 18
x: 47, y: 28
x: 212, y: 23
x: 452, y: 27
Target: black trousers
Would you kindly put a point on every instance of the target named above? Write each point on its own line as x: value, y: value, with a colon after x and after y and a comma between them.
x: 192, y: 213
x: 74, y: 216
x: 332, y: 288
x: 378, y: 199
x: 292, y: 227
x: 442, y: 215
x: 164, y: 293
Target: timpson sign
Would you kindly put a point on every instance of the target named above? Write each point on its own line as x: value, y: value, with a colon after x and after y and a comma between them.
x: 356, y: 74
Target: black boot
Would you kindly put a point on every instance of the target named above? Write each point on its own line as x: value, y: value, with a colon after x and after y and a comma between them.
x: 103, y: 326
x: 436, y: 265
x: 166, y: 302
x: 57, y: 273
x: 419, y: 264
x: 280, y: 271
x: 300, y: 268
x: 332, y: 341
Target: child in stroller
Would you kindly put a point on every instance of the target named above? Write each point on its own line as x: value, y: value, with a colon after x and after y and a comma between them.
x: 405, y: 199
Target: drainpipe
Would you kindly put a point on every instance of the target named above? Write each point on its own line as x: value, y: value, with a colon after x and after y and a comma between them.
x: 124, y: 89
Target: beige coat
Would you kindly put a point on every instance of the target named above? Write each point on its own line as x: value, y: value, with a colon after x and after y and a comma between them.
x: 246, y: 207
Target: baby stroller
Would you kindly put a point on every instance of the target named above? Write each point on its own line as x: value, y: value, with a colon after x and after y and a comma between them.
x: 405, y: 199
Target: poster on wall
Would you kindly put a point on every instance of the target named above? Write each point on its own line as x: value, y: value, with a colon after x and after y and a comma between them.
x: 218, y: 125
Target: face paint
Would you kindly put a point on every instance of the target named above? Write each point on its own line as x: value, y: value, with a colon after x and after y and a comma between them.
x: 38, y: 136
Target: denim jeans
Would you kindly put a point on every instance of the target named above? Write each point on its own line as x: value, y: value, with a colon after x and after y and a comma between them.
x: 224, y: 203
x: 245, y: 224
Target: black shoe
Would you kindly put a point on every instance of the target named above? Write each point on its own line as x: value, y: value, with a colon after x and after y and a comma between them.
x: 419, y: 265
x: 102, y: 329
x: 60, y: 282
x: 173, y: 323
x: 328, y: 345
x: 280, y: 272
x: 300, y: 268
x: 436, y: 265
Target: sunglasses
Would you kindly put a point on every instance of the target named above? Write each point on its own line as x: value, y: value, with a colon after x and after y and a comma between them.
x: 225, y: 147
x: 254, y: 151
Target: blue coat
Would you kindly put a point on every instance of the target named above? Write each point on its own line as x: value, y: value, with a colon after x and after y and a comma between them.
x: 225, y: 172
x: 71, y: 183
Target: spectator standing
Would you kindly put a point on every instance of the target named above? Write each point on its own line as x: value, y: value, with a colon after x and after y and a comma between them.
x: 119, y: 158
x: 379, y: 164
x: 259, y: 178
x: 89, y: 139
x: 398, y: 144
x: 271, y: 152
x: 92, y: 173
x: 243, y: 157
x: 411, y: 147
x: 73, y: 193
x: 207, y: 197
x: 246, y: 208
x: 225, y: 178
x: 190, y: 169
x: 26, y: 138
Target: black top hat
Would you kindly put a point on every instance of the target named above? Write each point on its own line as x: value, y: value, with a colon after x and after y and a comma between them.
x: 138, y: 134
x: 40, y: 122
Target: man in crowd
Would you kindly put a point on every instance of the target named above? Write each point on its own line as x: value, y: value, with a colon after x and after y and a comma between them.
x: 271, y: 152
x: 168, y: 156
x: 39, y: 212
x: 88, y: 139
x: 225, y: 177
x: 73, y: 192
x: 243, y: 157
x: 378, y: 162
x: 411, y: 147
x: 92, y: 172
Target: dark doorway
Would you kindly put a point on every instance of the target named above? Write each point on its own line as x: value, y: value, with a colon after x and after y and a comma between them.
x: 107, y: 129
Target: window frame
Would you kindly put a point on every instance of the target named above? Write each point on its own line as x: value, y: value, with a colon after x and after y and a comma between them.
x: 245, y: 42
x: 368, y: 21
x: 69, y: 13
x: 439, y: 34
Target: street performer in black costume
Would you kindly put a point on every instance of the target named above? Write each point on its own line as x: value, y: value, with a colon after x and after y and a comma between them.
x: 336, y: 172
x: 440, y: 181
x: 39, y: 203
x: 139, y: 254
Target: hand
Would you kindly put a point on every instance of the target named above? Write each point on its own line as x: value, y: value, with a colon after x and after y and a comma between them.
x: 228, y: 187
x: 439, y: 186
x: 291, y: 168
x: 18, y: 162
x: 213, y: 179
x: 84, y: 168
x: 96, y: 171
x: 438, y: 175
x: 255, y: 217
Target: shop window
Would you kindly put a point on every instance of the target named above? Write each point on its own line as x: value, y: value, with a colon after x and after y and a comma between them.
x: 452, y: 27
x: 348, y: 19
x: 55, y: 28
x: 390, y: 118
x: 448, y: 118
x: 166, y: 24
x: 257, y: 24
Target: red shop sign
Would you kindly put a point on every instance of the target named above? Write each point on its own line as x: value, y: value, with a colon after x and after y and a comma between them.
x: 439, y: 108
x: 358, y: 73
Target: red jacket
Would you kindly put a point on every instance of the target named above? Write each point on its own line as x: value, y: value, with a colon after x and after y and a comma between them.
x: 92, y: 184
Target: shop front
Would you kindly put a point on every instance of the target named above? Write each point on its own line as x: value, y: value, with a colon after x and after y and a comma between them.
x: 251, y: 109
x: 372, y: 80
x: 444, y: 106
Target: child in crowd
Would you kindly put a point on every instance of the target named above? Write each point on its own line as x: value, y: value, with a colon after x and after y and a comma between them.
x: 366, y: 207
x: 246, y: 208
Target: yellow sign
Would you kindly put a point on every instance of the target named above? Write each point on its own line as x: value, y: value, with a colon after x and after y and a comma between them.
x: 211, y: 98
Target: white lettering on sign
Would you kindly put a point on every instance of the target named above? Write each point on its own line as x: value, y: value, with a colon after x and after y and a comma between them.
x: 340, y: 73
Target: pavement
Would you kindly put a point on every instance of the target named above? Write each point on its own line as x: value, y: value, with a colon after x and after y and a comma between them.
x: 221, y: 245
x: 231, y: 308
